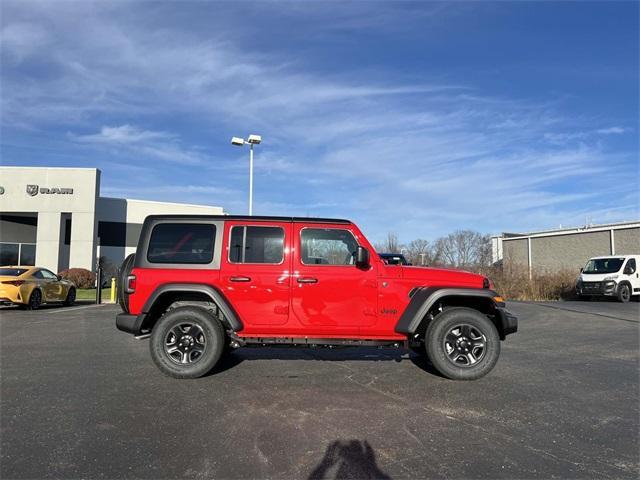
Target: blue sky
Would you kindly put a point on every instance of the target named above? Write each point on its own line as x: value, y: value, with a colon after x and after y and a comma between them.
x: 418, y: 118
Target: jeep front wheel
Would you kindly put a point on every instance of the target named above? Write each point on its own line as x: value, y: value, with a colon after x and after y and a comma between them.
x: 462, y: 344
x: 187, y: 342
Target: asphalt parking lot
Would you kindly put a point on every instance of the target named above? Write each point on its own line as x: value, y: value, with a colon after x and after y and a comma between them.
x: 80, y: 399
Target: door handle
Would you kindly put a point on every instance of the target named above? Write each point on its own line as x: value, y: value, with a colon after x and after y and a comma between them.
x: 307, y: 280
x: 239, y: 279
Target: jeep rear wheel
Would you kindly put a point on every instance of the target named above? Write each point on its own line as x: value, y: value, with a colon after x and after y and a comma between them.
x: 462, y: 344
x: 187, y: 342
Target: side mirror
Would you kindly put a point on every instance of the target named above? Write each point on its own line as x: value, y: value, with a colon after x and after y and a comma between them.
x: 362, y: 257
x: 628, y: 270
x: 581, y: 269
x: 59, y: 277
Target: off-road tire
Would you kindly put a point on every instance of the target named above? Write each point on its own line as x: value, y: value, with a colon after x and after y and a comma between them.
x: 71, y: 297
x: 123, y: 273
x: 211, y: 330
x: 35, y: 300
x: 624, y: 293
x: 443, y: 325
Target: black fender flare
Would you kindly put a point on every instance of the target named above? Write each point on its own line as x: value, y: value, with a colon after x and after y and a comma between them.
x: 424, y: 298
x: 229, y: 313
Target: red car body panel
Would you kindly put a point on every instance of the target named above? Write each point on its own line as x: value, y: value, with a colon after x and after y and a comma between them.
x: 342, y: 302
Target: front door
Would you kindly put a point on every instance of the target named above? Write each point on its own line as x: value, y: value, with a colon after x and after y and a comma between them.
x: 631, y: 273
x: 51, y: 287
x: 329, y: 294
x: 256, y: 274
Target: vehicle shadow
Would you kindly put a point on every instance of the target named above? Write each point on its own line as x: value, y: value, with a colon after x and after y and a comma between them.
x: 348, y: 459
x: 46, y: 306
x: 369, y: 354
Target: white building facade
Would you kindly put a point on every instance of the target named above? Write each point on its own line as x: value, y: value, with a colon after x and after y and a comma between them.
x: 55, y: 218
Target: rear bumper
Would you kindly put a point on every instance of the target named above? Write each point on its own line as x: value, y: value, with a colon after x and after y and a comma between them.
x: 129, y: 323
x: 508, y: 321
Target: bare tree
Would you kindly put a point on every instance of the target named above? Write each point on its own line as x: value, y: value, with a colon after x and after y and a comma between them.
x: 390, y: 244
x: 421, y: 252
x: 465, y: 248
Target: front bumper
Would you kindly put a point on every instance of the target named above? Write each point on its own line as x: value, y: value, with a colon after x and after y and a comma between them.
x: 608, y: 287
x: 508, y: 321
x: 130, y: 323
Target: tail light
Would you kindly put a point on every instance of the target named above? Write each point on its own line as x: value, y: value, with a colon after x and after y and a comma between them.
x: 131, y: 284
x: 15, y: 283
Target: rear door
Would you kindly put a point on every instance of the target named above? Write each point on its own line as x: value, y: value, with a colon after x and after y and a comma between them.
x: 329, y: 294
x: 256, y: 273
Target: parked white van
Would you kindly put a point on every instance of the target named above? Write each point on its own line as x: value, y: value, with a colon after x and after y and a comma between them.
x: 614, y: 275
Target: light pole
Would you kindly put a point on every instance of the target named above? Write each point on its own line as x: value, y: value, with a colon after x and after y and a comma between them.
x: 239, y: 142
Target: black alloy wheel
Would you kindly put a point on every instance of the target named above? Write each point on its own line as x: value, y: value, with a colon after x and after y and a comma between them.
x: 462, y: 343
x: 71, y: 297
x: 35, y: 300
x: 465, y: 345
x: 187, y: 342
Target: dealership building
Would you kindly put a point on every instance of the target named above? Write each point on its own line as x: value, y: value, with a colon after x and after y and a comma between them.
x: 55, y: 218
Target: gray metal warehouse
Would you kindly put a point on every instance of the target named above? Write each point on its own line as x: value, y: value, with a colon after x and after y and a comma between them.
x: 567, y: 248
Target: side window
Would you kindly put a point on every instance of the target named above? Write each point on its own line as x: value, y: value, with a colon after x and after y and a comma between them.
x: 190, y: 243
x: 327, y: 246
x: 47, y: 275
x: 37, y: 274
x: 631, y: 266
x: 253, y: 244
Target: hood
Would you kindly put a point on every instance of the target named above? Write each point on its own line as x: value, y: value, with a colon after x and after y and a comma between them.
x: 443, y: 276
x: 599, y: 277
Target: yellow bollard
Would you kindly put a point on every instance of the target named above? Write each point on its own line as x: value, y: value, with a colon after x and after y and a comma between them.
x: 113, y: 290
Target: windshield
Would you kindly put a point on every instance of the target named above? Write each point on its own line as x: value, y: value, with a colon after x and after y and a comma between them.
x: 12, y: 272
x: 603, y: 265
x: 393, y: 259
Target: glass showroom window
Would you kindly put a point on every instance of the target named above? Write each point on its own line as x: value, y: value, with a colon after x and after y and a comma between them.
x: 17, y: 254
x: 9, y: 253
x: 27, y: 254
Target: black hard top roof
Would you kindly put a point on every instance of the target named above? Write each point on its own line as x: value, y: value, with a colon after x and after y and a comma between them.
x: 253, y: 218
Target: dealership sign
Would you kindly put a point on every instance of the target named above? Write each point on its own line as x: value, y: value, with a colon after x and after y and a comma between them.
x: 33, y: 190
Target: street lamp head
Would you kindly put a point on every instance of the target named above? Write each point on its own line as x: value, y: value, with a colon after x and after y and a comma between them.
x: 237, y: 141
x: 255, y: 139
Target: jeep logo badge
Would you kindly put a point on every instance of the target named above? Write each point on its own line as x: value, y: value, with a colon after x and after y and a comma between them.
x: 32, y: 190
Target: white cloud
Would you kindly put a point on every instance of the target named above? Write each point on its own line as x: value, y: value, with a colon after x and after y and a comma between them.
x: 612, y: 131
x: 149, y: 144
x: 122, y: 134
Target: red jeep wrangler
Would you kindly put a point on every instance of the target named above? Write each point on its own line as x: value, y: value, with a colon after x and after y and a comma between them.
x: 201, y: 285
